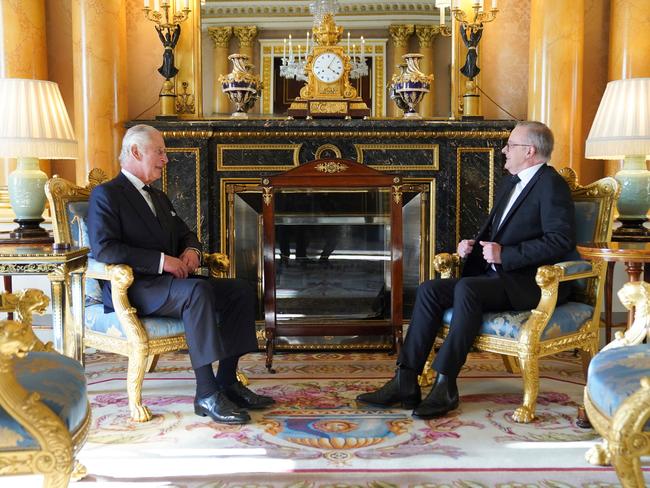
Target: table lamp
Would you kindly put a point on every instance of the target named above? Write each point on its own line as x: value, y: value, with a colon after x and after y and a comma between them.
x: 621, y: 130
x: 34, y: 125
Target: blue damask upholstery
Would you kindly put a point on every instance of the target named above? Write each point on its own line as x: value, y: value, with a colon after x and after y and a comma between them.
x: 76, y: 213
x: 108, y: 323
x: 566, y: 319
x: 61, y: 384
x: 614, y: 375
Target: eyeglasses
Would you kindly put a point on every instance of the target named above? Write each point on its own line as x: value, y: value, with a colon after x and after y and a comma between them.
x: 511, y: 145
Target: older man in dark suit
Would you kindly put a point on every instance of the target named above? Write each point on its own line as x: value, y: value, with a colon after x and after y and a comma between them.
x: 132, y: 223
x: 530, y: 225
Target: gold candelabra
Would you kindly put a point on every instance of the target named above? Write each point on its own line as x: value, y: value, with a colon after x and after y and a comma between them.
x: 471, y: 32
x: 167, y: 22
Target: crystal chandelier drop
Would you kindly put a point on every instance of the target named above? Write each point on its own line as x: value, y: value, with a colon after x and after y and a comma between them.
x: 293, y: 64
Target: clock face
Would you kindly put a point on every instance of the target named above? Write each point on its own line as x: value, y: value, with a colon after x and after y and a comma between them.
x: 328, y: 67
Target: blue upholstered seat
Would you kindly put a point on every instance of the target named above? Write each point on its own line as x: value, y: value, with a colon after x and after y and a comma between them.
x: 61, y: 384
x: 614, y: 375
x: 566, y: 319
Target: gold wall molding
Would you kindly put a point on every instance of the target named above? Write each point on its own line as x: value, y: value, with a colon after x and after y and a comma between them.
x: 434, y: 148
x: 459, y: 162
x: 222, y: 148
x: 426, y: 34
x: 188, y: 134
x: 197, y: 180
x: 326, y: 134
x: 376, y: 7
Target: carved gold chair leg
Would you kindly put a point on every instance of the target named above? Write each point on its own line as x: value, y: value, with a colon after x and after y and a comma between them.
x: 134, y: 378
x: 530, y: 374
x: 628, y: 470
x: 152, y: 362
x: 79, y: 471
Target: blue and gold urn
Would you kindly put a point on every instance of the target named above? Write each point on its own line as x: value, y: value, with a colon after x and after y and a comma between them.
x: 242, y: 87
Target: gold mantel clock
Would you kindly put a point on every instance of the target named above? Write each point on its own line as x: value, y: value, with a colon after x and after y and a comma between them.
x: 328, y: 92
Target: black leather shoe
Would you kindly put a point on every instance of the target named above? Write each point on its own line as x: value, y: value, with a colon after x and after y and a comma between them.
x: 220, y: 409
x: 442, y: 398
x: 245, y: 398
x: 403, y: 388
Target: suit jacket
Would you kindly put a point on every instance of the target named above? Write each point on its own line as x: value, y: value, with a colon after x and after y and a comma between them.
x: 123, y: 230
x: 539, y: 229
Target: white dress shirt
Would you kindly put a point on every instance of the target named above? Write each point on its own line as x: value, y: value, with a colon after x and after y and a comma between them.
x: 524, y: 178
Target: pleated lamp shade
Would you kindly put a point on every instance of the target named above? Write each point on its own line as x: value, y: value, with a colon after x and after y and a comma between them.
x: 34, y: 125
x: 34, y: 121
x: 621, y: 130
x: 622, y: 124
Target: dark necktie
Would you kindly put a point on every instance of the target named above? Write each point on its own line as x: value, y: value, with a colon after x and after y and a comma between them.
x: 157, y: 205
x: 498, y: 213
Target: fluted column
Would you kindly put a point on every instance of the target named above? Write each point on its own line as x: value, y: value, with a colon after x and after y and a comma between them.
x: 426, y: 35
x: 23, y: 53
x: 555, y: 75
x: 399, y: 35
x: 629, y: 45
x: 221, y: 38
x: 99, y: 59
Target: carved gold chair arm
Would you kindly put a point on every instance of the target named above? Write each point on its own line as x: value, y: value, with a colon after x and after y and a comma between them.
x: 24, y: 304
x: 218, y: 263
x: 17, y: 339
x: 447, y: 264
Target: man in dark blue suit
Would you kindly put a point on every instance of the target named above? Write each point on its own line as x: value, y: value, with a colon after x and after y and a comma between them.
x: 132, y: 223
x: 531, y: 224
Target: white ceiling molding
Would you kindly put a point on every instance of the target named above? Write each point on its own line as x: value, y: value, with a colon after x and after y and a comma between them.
x: 294, y: 14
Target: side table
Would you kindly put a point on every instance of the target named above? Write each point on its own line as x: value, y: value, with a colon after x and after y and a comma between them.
x: 65, y: 270
x: 635, y: 254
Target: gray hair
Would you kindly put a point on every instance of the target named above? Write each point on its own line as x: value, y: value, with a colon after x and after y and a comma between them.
x: 540, y: 137
x: 138, y: 135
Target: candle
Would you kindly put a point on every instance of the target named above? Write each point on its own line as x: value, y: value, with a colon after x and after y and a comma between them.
x: 146, y: 3
x: 186, y: 3
x: 442, y: 15
x: 454, y: 4
x: 348, y: 43
x: 307, y: 47
x: 494, y: 4
x: 363, y: 49
x: 298, y: 52
x: 290, y: 50
x: 284, y: 49
x: 156, y: 7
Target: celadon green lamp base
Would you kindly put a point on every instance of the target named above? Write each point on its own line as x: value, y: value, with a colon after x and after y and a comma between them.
x: 634, y: 201
x: 27, y: 198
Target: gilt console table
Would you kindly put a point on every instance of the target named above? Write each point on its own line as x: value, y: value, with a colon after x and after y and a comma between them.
x: 65, y: 270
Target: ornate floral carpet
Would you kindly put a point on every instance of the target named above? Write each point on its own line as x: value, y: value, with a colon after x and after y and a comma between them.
x: 316, y: 436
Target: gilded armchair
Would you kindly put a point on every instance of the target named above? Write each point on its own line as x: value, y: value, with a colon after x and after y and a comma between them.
x: 44, y: 410
x: 617, y: 395
x: 140, y: 339
x: 522, y: 338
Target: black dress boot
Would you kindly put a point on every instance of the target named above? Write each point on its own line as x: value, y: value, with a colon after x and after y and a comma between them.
x: 403, y: 388
x: 442, y: 398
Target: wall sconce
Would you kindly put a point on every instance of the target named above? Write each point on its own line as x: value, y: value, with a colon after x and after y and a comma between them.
x: 621, y: 130
x: 167, y: 18
x: 34, y: 125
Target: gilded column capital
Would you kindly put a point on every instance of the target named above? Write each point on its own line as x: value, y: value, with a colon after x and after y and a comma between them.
x: 401, y: 33
x: 220, y: 35
x: 246, y: 34
x: 426, y: 34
